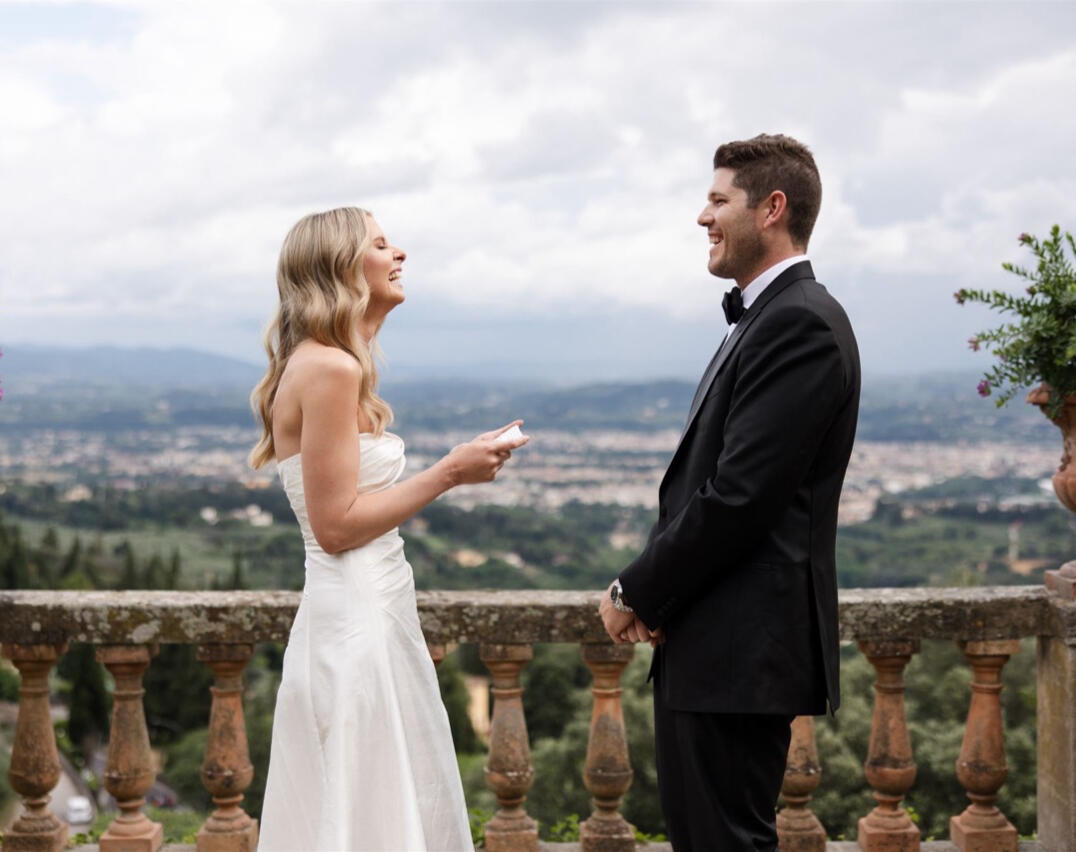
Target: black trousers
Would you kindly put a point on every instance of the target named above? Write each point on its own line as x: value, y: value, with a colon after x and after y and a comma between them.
x: 719, y: 775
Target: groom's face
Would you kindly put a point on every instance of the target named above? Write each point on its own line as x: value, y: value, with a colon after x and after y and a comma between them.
x: 735, y: 237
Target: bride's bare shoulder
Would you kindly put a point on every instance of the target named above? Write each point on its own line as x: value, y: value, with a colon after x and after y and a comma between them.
x: 317, y: 362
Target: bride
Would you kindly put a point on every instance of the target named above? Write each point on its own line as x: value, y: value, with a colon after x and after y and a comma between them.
x: 361, y: 754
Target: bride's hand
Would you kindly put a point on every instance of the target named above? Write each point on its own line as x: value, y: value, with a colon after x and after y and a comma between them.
x: 481, y: 460
x: 509, y: 444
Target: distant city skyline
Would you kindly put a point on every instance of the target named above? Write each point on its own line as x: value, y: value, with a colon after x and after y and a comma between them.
x: 542, y: 163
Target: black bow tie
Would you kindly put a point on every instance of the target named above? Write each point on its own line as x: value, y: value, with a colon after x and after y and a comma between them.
x: 732, y: 305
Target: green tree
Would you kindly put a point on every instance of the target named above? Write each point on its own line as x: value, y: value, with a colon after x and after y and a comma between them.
x: 153, y: 577
x: 77, y: 580
x: 88, y: 700
x: 96, y: 548
x: 16, y: 565
x: 172, y: 577
x: 9, y: 682
x: 93, y: 560
x: 50, y: 542
x: 72, y: 559
x: 129, y: 576
x: 177, y: 693
x: 456, y: 700
x: 551, y: 684
x: 7, y: 795
x: 46, y: 560
x: 184, y: 767
x: 237, y: 582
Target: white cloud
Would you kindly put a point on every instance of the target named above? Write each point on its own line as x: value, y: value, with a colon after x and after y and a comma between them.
x: 541, y: 159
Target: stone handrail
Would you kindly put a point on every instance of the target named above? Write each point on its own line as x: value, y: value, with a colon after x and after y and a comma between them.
x: 888, y: 624
x: 140, y: 617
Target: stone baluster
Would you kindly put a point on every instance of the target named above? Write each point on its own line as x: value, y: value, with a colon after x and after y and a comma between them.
x: 129, y: 772
x: 798, y: 829
x: 981, y: 766
x: 1055, y: 743
x: 607, y: 772
x: 227, y: 770
x: 35, y: 765
x: 889, y: 769
x: 509, y: 772
x: 437, y: 653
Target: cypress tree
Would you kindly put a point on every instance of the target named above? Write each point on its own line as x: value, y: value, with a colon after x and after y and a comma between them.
x: 172, y: 579
x: 153, y: 579
x: 72, y: 559
x: 50, y: 541
x: 91, y: 562
x: 129, y: 577
x: 16, y: 567
x: 237, y: 571
x: 47, y: 558
x: 89, y: 703
x: 177, y: 698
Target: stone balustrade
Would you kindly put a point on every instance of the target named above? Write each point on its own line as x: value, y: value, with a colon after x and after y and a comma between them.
x: 36, y: 627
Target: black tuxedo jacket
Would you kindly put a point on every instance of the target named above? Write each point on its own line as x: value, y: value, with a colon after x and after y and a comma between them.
x: 739, y: 569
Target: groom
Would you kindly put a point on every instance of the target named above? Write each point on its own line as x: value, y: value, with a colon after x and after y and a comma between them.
x: 737, y: 584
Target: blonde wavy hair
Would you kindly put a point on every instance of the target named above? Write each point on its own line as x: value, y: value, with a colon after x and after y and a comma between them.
x: 323, y: 297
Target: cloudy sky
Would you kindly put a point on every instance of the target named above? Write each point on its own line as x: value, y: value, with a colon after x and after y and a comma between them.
x: 543, y: 164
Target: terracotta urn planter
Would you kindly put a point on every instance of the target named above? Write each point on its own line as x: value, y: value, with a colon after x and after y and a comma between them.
x: 1065, y: 478
x: 1063, y: 580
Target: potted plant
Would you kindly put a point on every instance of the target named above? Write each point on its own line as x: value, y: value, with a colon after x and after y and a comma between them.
x: 1039, y: 345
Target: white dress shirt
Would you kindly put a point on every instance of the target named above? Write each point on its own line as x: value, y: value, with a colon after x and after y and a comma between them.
x: 753, y: 290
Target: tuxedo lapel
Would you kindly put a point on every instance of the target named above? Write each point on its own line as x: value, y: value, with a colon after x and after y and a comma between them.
x: 708, y: 377
x: 793, y: 273
x: 704, y: 386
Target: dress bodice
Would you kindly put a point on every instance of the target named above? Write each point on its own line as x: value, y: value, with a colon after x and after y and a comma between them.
x: 381, y: 462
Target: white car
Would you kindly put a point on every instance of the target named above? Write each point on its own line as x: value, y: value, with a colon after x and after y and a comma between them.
x: 79, y: 811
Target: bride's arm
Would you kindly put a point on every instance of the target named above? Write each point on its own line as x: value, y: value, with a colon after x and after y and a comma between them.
x: 340, y: 518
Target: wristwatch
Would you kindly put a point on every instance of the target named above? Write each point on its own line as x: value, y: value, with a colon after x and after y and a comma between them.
x: 616, y: 595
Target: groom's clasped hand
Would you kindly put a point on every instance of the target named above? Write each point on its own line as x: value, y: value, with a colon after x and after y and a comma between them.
x: 626, y: 626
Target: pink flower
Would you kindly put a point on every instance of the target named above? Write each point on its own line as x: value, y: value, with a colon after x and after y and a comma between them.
x: 1024, y: 237
x: 973, y: 344
x: 984, y: 388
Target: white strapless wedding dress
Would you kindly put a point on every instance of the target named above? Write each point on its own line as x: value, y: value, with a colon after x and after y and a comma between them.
x: 362, y: 755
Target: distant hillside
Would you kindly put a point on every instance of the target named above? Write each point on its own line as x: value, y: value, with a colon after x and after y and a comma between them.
x: 109, y: 388
x: 945, y: 407
x: 107, y: 366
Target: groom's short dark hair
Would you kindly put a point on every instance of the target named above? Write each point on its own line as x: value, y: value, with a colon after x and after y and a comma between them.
x: 770, y: 162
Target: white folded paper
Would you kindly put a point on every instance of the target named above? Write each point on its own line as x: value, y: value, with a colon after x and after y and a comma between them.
x: 510, y: 436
